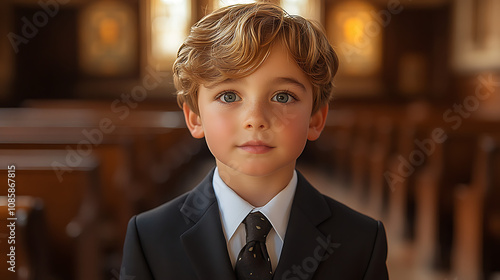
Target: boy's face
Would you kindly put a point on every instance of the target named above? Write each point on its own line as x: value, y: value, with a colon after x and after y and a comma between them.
x: 259, y: 124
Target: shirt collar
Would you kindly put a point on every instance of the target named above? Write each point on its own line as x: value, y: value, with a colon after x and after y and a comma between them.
x: 233, y: 209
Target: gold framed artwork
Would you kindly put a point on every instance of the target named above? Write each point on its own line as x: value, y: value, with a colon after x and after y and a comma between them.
x: 108, y: 43
x: 355, y: 32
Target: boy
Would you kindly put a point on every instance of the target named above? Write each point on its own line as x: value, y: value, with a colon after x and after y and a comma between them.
x: 255, y: 82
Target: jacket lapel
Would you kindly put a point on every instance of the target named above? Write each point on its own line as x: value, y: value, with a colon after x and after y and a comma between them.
x: 305, y: 246
x: 204, y: 242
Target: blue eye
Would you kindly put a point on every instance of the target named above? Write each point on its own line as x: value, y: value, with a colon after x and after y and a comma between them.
x: 283, y: 97
x: 229, y: 97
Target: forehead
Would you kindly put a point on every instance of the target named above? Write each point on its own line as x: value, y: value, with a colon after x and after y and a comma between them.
x: 278, y: 68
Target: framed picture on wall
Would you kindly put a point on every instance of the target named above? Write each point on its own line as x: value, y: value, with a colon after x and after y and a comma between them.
x: 108, y: 43
x: 357, y: 37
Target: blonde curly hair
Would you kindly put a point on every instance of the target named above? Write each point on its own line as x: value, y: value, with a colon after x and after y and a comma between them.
x: 232, y: 42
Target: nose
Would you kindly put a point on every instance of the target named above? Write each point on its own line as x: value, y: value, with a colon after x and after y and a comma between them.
x: 256, y: 116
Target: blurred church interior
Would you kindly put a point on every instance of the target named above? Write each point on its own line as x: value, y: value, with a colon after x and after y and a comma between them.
x: 89, y: 118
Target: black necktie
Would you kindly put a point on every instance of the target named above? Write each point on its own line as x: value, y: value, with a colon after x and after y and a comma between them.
x: 253, y: 261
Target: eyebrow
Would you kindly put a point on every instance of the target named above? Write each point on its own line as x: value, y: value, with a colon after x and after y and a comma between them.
x: 289, y: 80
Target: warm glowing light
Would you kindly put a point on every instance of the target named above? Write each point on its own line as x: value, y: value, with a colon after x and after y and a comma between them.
x: 170, y: 23
x: 223, y: 3
x: 306, y: 8
x: 295, y: 7
x: 353, y: 29
x: 357, y: 36
x: 109, y: 31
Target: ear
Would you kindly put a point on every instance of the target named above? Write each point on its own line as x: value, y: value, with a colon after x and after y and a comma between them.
x: 317, y: 123
x: 193, y: 122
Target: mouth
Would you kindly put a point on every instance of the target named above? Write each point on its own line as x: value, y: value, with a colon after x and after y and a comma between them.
x: 256, y: 147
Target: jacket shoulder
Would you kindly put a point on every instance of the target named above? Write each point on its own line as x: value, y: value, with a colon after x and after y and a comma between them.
x: 347, y: 215
x: 180, y: 213
x: 362, y: 240
x: 164, y: 217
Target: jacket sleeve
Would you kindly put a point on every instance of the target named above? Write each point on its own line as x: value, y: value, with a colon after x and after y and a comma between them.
x: 134, y: 264
x: 377, y: 268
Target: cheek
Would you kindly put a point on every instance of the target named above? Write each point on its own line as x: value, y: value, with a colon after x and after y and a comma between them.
x: 292, y: 120
x: 294, y: 129
x: 217, y: 127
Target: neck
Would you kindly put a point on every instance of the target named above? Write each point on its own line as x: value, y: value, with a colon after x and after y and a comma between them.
x: 256, y: 190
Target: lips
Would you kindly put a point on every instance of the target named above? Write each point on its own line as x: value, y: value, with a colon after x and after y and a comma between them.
x: 256, y: 147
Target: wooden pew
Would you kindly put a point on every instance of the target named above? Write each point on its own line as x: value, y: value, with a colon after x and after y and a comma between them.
x: 347, y: 139
x: 491, y: 242
x: 158, y: 142
x: 404, y: 165
x: 101, y: 105
x: 363, y: 142
x: 336, y: 141
x: 134, y: 153
x: 125, y: 146
x: 400, y: 216
x: 71, y: 207
x: 31, y: 251
x: 363, y: 137
x: 370, y: 139
x: 389, y: 122
x: 114, y: 165
x: 451, y: 164
x: 477, y: 216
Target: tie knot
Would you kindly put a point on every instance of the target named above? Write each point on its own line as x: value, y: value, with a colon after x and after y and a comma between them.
x: 257, y: 227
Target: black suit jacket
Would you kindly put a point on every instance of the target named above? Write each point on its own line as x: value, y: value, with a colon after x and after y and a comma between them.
x: 183, y: 240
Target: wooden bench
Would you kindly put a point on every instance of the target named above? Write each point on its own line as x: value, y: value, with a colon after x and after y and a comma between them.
x: 71, y: 208
x: 127, y: 148
x: 29, y: 258
x: 406, y: 161
x: 476, y: 241
x: 366, y: 141
x: 114, y: 158
x: 134, y: 153
x: 389, y: 124
x: 335, y: 142
x: 451, y: 164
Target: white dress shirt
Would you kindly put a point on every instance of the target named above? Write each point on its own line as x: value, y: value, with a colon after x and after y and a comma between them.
x: 233, y: 209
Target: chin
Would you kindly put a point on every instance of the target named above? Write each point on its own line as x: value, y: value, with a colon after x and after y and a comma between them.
x: 260, y: 170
